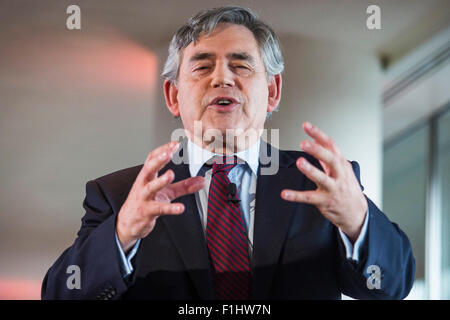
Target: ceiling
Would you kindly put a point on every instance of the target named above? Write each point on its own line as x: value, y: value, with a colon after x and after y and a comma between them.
x: 405, y: 23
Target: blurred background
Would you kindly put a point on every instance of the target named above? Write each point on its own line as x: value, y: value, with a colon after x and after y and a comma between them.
x: 78, y: 104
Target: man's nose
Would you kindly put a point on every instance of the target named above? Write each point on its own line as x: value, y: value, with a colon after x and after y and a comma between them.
x: 222, y: 76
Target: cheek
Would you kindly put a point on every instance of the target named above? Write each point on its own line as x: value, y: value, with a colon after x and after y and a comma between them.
x: 258, y: 100
x: 189, y: 102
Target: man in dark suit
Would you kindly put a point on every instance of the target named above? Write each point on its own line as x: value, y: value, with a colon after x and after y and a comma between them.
x: 221, y: 224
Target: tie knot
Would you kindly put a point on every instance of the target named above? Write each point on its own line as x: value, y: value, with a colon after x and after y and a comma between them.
x: 224, y: 164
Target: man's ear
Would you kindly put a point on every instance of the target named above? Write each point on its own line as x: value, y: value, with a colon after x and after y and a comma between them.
x: 274, y: 92
x: 171, y: 96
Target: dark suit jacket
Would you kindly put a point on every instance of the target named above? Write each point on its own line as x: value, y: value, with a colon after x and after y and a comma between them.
x: 297, y: 253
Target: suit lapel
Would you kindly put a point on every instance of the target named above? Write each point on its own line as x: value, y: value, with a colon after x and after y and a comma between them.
x: 272, y: 220
x: 187, y: 235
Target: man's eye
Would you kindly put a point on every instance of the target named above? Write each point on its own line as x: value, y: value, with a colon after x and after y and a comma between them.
x: 242, y: 69
x: 201, y: 68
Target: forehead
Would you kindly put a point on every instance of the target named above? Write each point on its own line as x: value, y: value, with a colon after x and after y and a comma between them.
x: 224, y: 40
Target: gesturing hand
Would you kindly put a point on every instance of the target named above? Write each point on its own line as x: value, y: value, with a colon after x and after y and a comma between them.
x: 150, y: 197
x: 338, y: 195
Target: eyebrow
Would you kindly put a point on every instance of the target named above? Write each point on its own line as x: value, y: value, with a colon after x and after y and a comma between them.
x: 201, y: 56
x: 241, y: 56
x: 231, y: 56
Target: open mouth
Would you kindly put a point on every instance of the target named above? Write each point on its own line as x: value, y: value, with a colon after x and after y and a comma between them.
x: 224, y: 103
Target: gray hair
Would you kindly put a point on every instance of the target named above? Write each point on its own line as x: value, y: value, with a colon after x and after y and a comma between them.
x: 206, y: 21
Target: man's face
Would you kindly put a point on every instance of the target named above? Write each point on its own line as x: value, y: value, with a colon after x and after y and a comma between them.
x: 222, y: 83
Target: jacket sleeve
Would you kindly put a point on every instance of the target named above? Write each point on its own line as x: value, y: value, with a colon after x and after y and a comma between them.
x: 386, y: 265
x: 90, y: 268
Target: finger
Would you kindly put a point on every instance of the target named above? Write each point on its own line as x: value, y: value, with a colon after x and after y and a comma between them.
x: 168, y: 209
x: 155, y: 185
x: 320, y: 153
x: 308, y: 197
x: 314, y: 174
x: 325, y: 168
x: 152, y: 154
x: 170, y: 146
x: 184, y: 187
x: 156, y: 160
x: 320, y: 137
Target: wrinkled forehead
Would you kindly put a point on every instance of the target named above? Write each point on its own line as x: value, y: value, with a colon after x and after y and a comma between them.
x: 226, y: 40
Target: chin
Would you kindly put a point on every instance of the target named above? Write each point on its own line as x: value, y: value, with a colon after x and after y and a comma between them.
x: 224, y: 126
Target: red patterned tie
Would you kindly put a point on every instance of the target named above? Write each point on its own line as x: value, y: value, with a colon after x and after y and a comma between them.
x: 226, y: 238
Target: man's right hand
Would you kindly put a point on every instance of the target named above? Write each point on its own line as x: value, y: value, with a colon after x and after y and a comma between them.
x: 151, y: 196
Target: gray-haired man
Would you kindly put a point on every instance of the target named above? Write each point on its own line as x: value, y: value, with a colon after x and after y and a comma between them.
x: 226, y: 231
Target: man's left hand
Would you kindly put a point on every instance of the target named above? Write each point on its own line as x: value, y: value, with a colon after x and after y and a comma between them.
x: 338, y: 195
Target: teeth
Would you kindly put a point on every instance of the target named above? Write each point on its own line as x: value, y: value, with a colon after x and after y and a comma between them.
x: 224, y: 101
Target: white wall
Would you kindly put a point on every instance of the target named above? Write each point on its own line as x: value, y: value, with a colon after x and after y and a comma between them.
x: 336, y: 88
x: 73, y: 107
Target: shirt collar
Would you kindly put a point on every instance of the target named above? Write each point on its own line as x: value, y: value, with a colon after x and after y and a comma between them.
x: 198, y: 156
